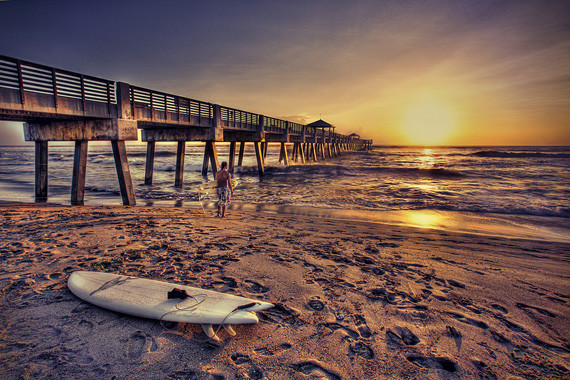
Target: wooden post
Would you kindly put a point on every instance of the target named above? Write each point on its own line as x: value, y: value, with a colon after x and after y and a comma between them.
x: 123, y: 172
x: 259, y: 157
x: 283, y: 155
x: 79, y: 172
x: 180, y: 153
x: 41, y: 171
x: 149, y: 168
x: 323, y: 151
x: 241, y: 152
x: 314, y: 152
x: 329, y: 150
x: 206, y: 161
x: 213, y: 155
x: 232, y: 159
x: 265, y: 145
x: 295, y: 153
x: 302, y: 152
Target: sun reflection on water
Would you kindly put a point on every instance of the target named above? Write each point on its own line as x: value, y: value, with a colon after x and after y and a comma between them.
x: 424, y: 219
x: 427, y: 160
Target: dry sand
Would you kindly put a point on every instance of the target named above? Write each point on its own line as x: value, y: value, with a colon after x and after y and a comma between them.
x: 354, y: 300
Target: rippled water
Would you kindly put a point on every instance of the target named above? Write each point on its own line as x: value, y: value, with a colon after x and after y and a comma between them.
x: 510, y: 180
x: 532, y: 181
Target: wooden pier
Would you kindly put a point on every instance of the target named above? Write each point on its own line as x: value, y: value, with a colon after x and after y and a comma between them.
x: 59, y: 105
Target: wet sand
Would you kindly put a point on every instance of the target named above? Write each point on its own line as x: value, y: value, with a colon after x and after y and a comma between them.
x: 354, y: 299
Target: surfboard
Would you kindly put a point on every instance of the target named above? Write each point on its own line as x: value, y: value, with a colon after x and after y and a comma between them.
x: 149, y: 299
x: 212, y: 187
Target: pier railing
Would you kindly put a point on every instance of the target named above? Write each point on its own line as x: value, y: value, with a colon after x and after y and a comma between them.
x: 39, y: 88
x: 239, y: 120
x: 158, y: 107
x: 276, y: 126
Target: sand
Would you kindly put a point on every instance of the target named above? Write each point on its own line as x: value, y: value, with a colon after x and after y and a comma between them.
x: 354, y: 299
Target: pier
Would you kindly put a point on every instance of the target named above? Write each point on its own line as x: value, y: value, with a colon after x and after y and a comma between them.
x: 60, y: 105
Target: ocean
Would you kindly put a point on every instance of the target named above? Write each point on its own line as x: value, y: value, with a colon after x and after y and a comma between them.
x: 526, y: 187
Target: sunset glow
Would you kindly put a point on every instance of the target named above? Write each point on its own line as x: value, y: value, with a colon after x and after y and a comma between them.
x: 423, y: 73
x: 428, y: 122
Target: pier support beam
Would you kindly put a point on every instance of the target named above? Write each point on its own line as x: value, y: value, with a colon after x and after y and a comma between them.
x: 259, y: 157
x: 79, y: 173
x: 180, y: 153
x: 295, y: 153
x: 149, y: 168
x: 41, y: 171
x: 241, y: 152
x: 232, y: 159
x: 210, y: 157
x: 123, y: 172
x: 283, y: 158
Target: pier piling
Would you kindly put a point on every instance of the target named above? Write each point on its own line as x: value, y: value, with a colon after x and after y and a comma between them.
x: 41, y: 171
x: 79, y: 173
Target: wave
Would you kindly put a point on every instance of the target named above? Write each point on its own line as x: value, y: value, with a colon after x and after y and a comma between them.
x: 561, y: 212
x: 434, y: 173
x: 502, y: 154
x: 158, y: 153
x: 339, y: 171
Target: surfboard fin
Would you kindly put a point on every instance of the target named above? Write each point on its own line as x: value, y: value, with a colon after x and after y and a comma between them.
x: 230, y: 330
x: 209, y: 331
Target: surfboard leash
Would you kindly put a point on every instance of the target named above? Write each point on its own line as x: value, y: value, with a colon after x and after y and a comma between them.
x: 191, y: 307
x: 241, y: 307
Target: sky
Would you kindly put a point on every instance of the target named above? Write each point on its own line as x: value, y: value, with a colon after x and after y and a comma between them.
x: 398, y: 72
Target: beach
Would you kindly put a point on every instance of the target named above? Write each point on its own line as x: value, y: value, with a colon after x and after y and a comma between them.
x: 354, y: 299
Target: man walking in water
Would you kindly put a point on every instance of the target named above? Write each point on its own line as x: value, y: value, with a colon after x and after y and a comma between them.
x: 225, y: 189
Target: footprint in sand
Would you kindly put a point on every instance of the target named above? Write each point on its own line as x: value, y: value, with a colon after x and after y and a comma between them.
x: 316, y: 305
x: 254, y: 287
x: 363, y: 329
x: 528, y: 308
x: 315, y: 370
x: 456, y: 284
x: 432, y: 362
x: 55, y: 276
x: 362, y: 350
x: 500, y: 308
x: 85, y: 324
x: 244, y: 361
x: 469, y: 321
x: 336, y: 326
x: 400, y: 336
x: 270, y: 351
x: 239, y: 359
x: 280, y: 314
x: 139, y: 343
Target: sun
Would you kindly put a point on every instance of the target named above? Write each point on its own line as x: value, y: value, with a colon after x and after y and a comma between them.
x: 428, y: 121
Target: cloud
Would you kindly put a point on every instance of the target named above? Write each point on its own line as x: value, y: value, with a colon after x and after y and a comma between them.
x: 11, y: 133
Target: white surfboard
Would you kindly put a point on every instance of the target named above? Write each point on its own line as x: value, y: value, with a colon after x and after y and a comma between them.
x: 149, y: 299
x: 212, y: 187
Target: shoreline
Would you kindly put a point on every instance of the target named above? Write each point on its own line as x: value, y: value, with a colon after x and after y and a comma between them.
x: 354, y: 299
x: 511, y: 226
